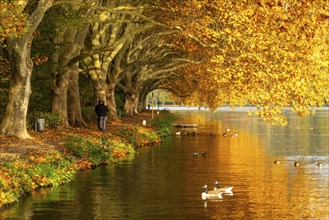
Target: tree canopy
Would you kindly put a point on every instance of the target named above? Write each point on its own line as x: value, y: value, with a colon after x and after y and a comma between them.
x: 267, y: 53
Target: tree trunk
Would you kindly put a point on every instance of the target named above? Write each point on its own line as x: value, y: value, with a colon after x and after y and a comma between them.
x: 142, y: 101
x: 111, y: 102
x: 59, y: 97
x: 14, y: 120
x: 74, y: 105
x: 130, y: 103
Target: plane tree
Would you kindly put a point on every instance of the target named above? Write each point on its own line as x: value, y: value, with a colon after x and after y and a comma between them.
x: 19, y: 47
x: 108, y: 40
x: 270, y: 54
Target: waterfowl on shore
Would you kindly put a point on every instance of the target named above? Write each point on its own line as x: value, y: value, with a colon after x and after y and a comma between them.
x: 225, y: 134
x: 235, y: 134
x: 277, y: 162
x: 210, y: 194
x: 178, y: 133
x: 226, y: 189
x: 296, y: 164
x: 204, y: 154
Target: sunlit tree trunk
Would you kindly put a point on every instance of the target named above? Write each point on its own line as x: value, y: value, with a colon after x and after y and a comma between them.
x: 111, y: 102
x: 14, y: 120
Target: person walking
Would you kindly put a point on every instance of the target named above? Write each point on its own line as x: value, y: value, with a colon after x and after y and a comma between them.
x: 103, y: 110
x: 97, y: 111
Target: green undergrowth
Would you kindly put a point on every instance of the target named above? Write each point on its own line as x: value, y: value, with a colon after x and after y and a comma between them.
x: 34, y: 170
x: 139, y: 136
x: 164, y: 122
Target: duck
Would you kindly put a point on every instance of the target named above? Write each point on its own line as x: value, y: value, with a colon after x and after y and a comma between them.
x: 213, y: 135
x: 226, y: 132
x: 277, y: 162
x: 178, y: 133
x: 210, y: 194
x: 227, y: 189
x: 319, y: 164
x: 204, y: 154
x: 196, y: 153
x: 296, y: 164
x: 235, y: 134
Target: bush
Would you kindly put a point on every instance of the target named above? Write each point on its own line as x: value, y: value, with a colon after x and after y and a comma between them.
x: 164, y: 123
x: 33, y: 170
x: 88, y: 114
x: 52, y: 120
x: 97, y: 153
x: 139, y: 136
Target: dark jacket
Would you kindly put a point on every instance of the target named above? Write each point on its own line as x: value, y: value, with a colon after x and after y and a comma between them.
x: 97, y: 107
x: 103, y: 110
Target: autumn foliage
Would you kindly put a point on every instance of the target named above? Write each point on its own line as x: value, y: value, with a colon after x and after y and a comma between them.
x: 12, y: 19
x: 270, y: 54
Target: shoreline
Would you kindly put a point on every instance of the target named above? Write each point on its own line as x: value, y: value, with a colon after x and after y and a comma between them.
x: 53, y: 157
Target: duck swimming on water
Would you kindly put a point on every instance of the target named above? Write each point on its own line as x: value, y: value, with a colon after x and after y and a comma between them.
x: 196, y: 153
x: 226, y: 189
x: 210, y: 194
x: 235, y: 134
x: 226, y: 132
x: 319, y: 164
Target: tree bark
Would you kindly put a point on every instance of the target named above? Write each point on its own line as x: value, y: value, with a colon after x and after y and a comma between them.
x: 74, y: 105
x: 59, y: 97
x: 14, y: 120
x: 64, y: 80
x: 111, y: 103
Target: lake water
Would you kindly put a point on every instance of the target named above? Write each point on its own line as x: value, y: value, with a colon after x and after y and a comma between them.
x: 165, y: 181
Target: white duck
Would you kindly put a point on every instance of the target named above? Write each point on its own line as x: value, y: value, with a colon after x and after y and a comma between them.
x: 210, y: 194
x: 226, y: 189
x: 196, y: 153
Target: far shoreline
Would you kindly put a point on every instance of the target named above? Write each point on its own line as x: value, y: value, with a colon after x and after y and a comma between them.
x: 226, y: 108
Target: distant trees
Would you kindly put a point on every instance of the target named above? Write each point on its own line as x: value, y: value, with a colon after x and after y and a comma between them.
x: 266, y: 53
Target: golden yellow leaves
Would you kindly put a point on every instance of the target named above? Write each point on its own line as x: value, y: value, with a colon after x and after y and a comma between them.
x: 13, y: 22
x: 268, y: 53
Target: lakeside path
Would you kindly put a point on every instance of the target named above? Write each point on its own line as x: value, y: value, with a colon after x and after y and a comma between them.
x: 50, y: 140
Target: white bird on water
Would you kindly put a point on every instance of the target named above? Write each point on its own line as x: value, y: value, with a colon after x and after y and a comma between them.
x: 235, y: 134
x: 210, y: 194
x: 226, y: 189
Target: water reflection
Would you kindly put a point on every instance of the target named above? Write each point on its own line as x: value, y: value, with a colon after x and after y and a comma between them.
x: 165, y: 182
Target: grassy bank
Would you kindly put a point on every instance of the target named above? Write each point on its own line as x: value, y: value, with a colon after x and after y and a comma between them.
x: 72, y: 151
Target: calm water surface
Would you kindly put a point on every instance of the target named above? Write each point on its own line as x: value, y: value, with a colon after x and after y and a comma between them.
x: 164, y: 182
